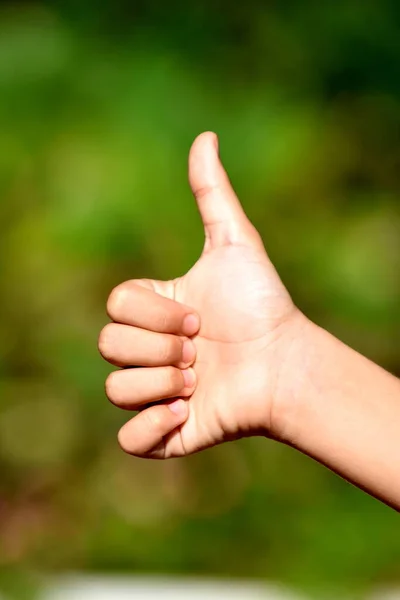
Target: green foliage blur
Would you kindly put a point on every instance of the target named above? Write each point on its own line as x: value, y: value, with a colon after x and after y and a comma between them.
x: 99, y: 102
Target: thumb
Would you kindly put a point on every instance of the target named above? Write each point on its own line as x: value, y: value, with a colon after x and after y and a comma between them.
x: 224, y: 219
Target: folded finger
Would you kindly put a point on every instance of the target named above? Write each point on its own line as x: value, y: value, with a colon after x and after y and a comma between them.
x: 132, y: 388
x: 131, y: 303
x: 124, y: 346
x: 144, y: 435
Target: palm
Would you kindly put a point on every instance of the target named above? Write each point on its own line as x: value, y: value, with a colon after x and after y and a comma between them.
x: 242, y: 303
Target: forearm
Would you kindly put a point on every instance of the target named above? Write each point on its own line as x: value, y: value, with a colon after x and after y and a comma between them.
x: 345, y: 413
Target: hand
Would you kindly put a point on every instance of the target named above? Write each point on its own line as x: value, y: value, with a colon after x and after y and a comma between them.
x: 213, y: 345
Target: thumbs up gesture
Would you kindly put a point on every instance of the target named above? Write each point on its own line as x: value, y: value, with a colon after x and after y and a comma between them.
x: 212, y: 349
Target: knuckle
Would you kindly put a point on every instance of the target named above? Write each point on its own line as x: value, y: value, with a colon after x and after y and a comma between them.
x: 105, y: 340
x: 117, y: 299
x: 205, y: 191
x: 111, y: 387
x: 124, y: 443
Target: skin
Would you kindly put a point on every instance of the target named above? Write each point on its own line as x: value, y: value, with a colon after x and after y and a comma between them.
x: 228, y: 355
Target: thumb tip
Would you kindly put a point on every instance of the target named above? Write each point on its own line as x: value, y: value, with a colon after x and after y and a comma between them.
x: 180, y: 409
x: 203, y: 158
x: 206, y: 141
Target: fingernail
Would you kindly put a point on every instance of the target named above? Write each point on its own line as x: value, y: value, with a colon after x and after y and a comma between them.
x: 188, y: 352
x: 191, y: 324
x: 189, y: 378
x: 178, y: 407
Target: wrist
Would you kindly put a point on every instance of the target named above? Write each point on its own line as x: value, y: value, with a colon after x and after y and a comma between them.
x: 302, y: 345
x: 338, y: 407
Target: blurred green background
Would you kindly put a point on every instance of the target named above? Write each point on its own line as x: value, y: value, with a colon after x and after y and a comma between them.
x: 99, y: 102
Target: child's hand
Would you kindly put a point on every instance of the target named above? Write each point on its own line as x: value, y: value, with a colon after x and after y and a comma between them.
x: 228, y: 381
x: 255, y: 365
